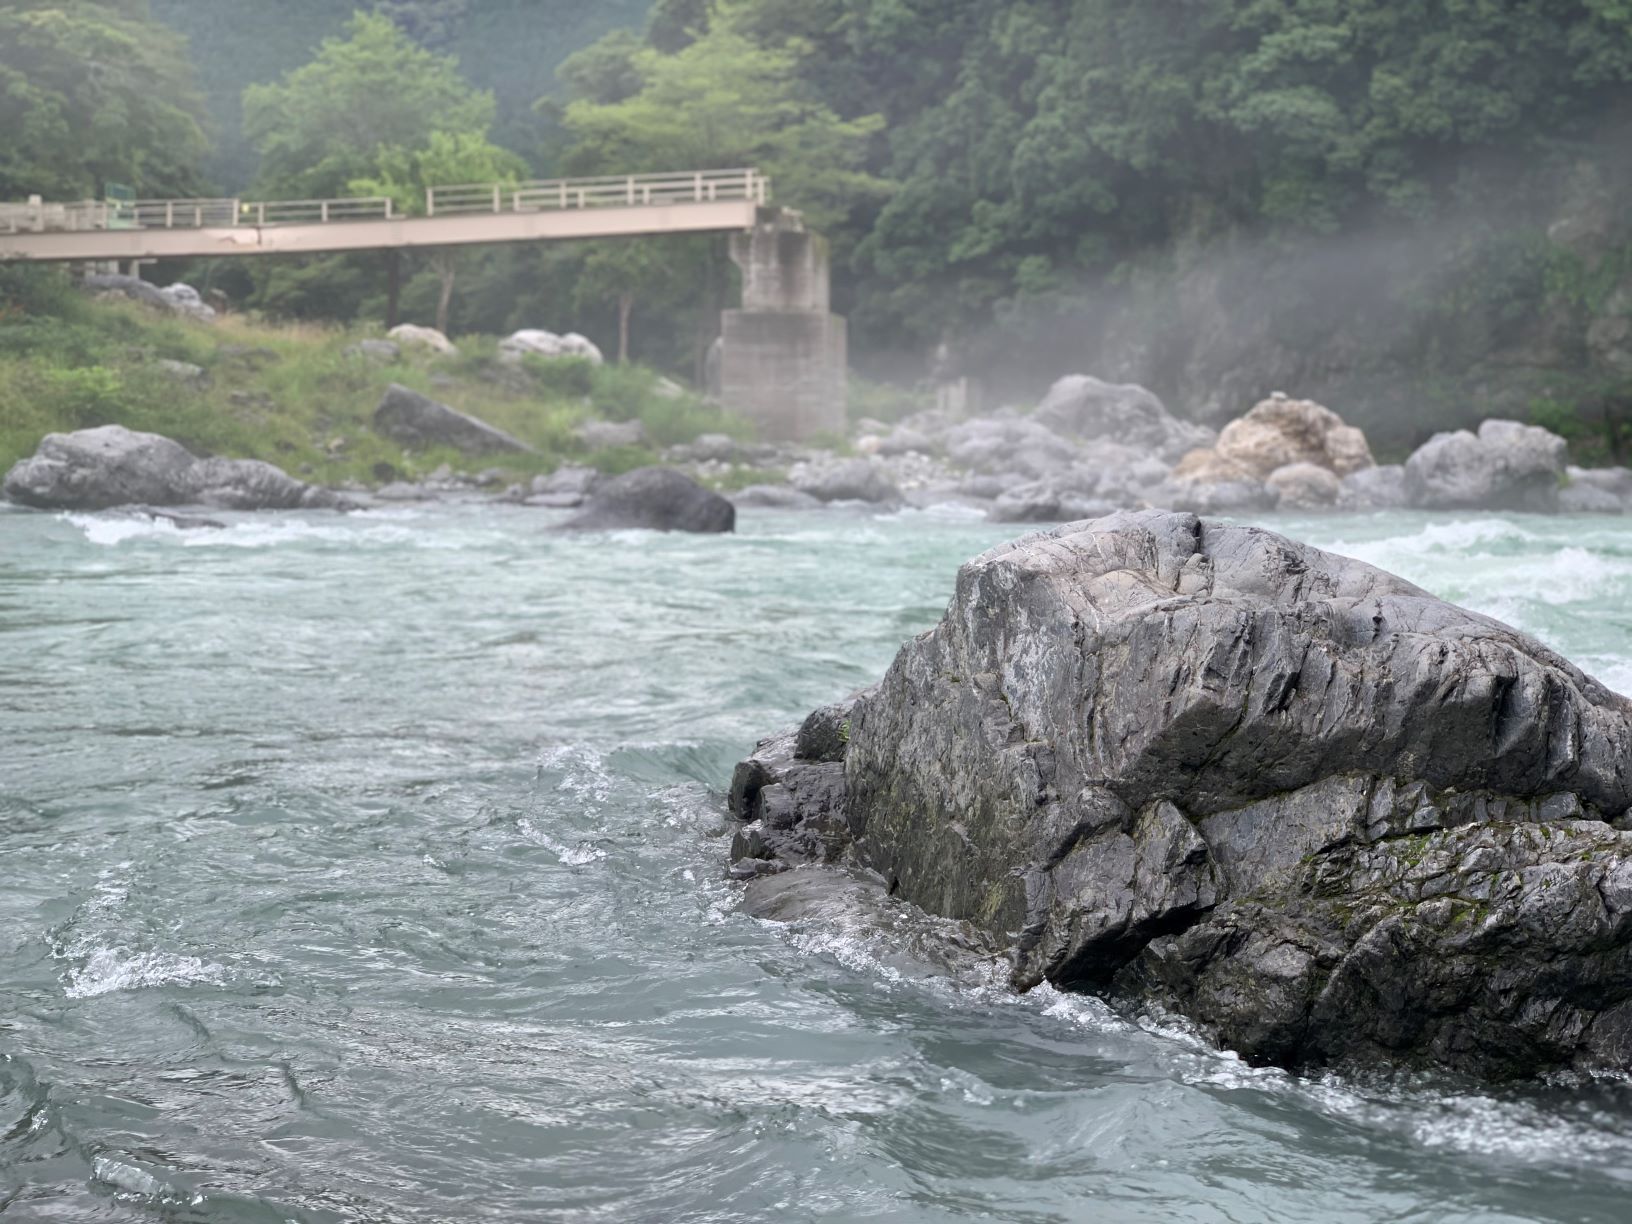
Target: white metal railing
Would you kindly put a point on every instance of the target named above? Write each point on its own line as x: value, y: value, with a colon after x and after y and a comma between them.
x: 609, y: 191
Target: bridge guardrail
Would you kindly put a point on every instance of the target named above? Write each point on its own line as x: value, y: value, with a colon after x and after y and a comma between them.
x: 608, y: 191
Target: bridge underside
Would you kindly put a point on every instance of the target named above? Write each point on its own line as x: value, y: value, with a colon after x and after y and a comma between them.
x: 403, y: 233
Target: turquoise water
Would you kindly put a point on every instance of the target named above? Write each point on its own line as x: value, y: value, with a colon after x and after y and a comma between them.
x: 369, y: 868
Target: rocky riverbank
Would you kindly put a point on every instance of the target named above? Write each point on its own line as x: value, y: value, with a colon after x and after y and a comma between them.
x: 1325, y: 815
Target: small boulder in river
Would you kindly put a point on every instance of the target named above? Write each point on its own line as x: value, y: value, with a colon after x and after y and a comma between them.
x: 96, y: 469
x: 657, y: 499
x: 1327, y: 816
x: 1505, y: 466
x: 411, y: 419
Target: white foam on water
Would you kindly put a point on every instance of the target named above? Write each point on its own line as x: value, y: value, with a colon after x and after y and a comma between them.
x: 110, y: 532
x: 580, y: 855
x: 129, y: 1179
x: 109, y: 969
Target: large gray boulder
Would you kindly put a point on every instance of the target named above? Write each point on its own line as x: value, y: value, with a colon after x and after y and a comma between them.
x: 95, y: 469
x: 1322, y: 813
x: 414, y: 420
x: 1506, y: 466
x: 1081, y: 406
x: 657, y: 499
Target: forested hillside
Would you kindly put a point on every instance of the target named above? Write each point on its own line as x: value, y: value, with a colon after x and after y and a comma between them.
x: 1415, y: 211
x: 510, y: 47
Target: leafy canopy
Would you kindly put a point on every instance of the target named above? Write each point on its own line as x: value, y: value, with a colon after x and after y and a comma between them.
x: 722, y: 101
x: 329, y: 122
x: 92, y: 93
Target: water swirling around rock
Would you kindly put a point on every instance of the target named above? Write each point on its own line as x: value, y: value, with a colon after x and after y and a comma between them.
x: 371, y: 868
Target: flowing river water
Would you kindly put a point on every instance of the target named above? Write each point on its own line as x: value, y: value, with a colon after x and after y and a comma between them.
x: 370, y: 868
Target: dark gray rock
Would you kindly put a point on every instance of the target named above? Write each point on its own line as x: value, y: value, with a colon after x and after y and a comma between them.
x: 250, y: 484
x: 1506, y: 466
x: 414, y: 420
x: 1058, y: 500
x: 96, y: 469
x: 658, y: 499
x: 1322, y: 813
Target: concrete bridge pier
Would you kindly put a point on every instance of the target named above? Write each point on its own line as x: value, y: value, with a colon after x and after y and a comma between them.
x: 783, y: 358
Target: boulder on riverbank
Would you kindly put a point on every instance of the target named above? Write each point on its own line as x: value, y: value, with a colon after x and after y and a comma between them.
x: 536, y: 342
x: 97, y: 469
x: 1505, y: 466
x: 411, y: 419
x: 411, y: 335
x: 656, y: 499
x: 1301, y: 801
x: 1081, y: 406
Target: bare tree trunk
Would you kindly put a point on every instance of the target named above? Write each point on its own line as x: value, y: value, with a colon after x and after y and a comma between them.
x: 393, y: 288
x: 446, y: 269
x: 626, y: 305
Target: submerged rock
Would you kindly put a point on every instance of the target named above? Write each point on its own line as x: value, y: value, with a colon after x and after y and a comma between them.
x: 658, y: 499
x: 1506, y: 466
x: 97, y: 469
x: 1324, y: 814
x: 411, y: 419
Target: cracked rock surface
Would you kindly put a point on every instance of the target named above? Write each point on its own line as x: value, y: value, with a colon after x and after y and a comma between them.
x: 1320, y: 812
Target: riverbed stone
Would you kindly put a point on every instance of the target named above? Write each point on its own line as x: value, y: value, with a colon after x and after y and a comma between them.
x: 656, y: 499
x: 1328, y: 817
x: 1505, y: 466
x: 97, y: 469
x: 412, y: 335
x: 845, y: 480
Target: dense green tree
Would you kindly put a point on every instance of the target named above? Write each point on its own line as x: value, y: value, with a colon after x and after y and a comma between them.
x: 92, y: 93
x: 327, y: 123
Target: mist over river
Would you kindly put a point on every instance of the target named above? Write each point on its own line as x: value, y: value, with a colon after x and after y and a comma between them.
x: 371, y: 868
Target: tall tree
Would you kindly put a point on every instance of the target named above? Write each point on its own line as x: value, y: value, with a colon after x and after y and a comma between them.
x: 326, y: 124
x: 92, y: 93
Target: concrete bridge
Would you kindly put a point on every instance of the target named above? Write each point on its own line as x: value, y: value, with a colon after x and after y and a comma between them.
x: 782, y: 358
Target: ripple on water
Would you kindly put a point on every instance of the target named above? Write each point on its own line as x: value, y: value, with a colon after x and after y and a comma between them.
x: 370, y: 868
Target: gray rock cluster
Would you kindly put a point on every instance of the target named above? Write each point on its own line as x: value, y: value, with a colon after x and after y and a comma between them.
x: 96, y: 469
x: 538, y: 343
x: 1322, y: 813
x: 179, y: 298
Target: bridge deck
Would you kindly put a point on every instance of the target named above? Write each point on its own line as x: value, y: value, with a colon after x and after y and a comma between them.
x: 97, y: 231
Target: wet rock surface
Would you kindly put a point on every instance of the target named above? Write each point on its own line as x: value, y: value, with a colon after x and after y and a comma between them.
x: 656, y: 499
x: 1325, y: 815
x: 98, y: 469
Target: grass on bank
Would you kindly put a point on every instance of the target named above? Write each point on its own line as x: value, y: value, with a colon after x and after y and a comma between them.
x: 289, y: 394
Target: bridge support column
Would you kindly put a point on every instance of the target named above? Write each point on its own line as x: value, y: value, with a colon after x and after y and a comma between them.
x: 783, y: 359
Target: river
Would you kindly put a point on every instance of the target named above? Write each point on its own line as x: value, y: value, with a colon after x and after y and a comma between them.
x: 370, y: 868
